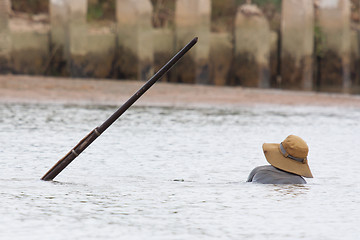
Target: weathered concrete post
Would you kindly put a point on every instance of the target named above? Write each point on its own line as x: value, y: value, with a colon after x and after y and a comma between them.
x: 5, y: 37
x: 135, y: 39
x: 252, y: 48
x: 76, y: 37
x: 334, y: 48
x: 192, y: 18
x: 163, y: 49
x: 29, y: 50
x: 58, y: 10
x: 297, y: 44
x: 221, y: 55
x: 221, y: 43
x: 58, y: 20
x: 274, y: 60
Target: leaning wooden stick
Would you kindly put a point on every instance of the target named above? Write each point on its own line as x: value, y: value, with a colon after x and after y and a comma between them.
x: 87, y: 140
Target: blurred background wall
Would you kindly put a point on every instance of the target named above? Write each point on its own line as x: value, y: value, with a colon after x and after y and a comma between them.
x: 310, y: 45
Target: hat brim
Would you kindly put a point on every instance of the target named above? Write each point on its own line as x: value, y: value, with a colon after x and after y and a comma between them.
x: 275, y: 158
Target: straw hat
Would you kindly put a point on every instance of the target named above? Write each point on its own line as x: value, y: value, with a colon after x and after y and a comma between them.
x: 290, y: 155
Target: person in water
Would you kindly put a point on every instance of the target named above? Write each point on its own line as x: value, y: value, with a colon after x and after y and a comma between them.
x: 289, y: 163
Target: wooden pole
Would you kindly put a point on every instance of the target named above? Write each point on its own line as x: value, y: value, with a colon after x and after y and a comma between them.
x: 87, y: 140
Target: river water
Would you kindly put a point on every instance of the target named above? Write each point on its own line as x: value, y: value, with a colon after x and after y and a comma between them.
x: 175, y: 173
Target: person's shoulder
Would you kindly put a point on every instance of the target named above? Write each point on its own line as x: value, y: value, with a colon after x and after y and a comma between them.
x: 271, y: 175
x: 263, y: 168
x: 258, y: 169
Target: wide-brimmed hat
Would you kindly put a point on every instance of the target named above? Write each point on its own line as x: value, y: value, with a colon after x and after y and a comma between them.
x: 290, y: 155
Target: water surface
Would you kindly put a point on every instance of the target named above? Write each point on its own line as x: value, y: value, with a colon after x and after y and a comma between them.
x: 175, y: 173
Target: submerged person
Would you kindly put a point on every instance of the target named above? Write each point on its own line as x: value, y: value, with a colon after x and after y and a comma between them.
x: 288, y: 161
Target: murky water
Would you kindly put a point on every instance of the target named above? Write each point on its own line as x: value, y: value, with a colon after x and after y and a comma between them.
x: 164, y: 173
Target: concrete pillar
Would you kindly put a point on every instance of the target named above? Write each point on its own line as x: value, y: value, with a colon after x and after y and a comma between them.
x: 334, y: 48
x: 192, y: 18
x: 58, y: 20
x: 275, y: 76
x: 29, y: 52
x: 297, y: 44
x: 221, y: 55
x: 135, y: 39
x: 76, y: 37
x: 58, y: 11
x: 252, y: 48
x: 101, y: 55
x: 5, y: 38
x: 163, y: 49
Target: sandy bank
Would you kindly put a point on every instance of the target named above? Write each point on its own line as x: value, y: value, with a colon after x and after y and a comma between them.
x: 15, y: 88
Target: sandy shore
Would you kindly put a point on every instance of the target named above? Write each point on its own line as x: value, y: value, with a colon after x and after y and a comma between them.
x: 15, y: 88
